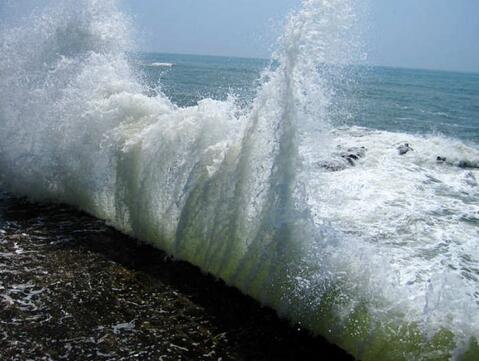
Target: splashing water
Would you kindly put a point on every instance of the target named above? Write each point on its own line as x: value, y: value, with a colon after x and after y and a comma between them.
x: 378, y: 258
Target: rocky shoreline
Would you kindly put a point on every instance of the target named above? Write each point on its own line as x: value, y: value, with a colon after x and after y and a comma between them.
x: 72, y: 288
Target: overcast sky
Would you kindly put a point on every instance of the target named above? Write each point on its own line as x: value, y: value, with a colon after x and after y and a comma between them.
x: 434, y: 34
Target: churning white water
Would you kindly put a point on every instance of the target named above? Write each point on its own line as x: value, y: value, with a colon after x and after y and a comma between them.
x: 379, y: 257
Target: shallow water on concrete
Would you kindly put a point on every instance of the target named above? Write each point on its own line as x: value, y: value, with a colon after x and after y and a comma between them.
x: 72, y: 288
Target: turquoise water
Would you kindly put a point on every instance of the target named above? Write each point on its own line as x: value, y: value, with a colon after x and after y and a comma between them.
x: 405, y: 100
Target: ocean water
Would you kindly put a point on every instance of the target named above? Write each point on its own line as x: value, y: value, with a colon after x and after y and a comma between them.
x: 393, y: 99
x: 188, y: 79
x: 290, y: 178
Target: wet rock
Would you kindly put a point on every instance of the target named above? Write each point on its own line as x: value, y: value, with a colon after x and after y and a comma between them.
x: 464, y: 164
x: 467, y: 164
x: 351, y: 155
x: 404, y: 149
x: 343, y: 159
x: 109, y: 339
x: 470, y: 179
x: 333, y: 165
x: 82, y: 291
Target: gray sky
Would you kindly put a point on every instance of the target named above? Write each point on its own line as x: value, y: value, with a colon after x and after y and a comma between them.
x: 434, y: 34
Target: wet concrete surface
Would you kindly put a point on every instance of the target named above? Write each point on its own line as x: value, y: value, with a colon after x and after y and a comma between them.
x: 72, y: 288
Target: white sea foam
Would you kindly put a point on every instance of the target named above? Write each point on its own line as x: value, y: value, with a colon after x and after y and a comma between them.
x: 162, y: 65
x: 359, y: 254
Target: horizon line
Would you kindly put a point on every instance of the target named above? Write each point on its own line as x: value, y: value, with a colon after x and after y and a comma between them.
x: 445, y: 70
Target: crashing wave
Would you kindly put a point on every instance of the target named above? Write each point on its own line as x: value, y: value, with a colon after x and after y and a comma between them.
x: 378, y: 257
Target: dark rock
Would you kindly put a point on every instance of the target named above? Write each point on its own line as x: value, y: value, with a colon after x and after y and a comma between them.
x: 333, y: 165
x: 470, y: 179
x: 404, y: 148
x: 464, y: 164
x: 467, y: 164
x: 90, y: 292
x: 343, y: 159
x: 353, y: 154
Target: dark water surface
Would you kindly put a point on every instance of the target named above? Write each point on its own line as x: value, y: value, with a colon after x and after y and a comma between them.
x: 72, y: 288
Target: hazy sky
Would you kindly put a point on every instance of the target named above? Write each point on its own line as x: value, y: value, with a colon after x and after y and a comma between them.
x: 218, y: 27
x: 434, y: 34
x: 437, y: 34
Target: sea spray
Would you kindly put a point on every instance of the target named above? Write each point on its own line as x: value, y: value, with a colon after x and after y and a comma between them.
x: 240, y: 192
